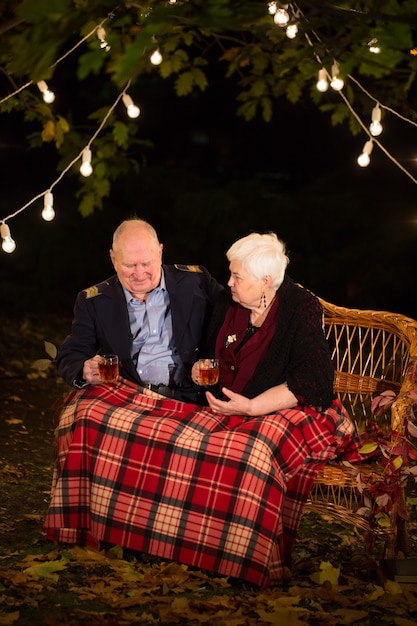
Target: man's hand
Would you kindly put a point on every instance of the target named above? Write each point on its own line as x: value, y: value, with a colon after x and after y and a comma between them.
x: 90, y: 370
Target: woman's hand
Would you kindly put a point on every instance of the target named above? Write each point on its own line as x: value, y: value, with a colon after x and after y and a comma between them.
x: 270, y: 401
x: 236, y: 405
x: 195, y: 373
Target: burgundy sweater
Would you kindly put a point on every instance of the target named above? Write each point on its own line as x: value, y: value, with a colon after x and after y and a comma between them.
x: 298, y: 354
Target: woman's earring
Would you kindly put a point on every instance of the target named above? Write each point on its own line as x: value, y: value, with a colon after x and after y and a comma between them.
x: 264, y: 300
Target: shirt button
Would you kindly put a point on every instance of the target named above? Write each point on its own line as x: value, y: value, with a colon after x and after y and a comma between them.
x: 232, y: 367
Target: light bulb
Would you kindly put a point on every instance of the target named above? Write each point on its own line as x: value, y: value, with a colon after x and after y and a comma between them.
x: 376, y: 127
x: 156, y: 57
x: 132, y: 110
x: 364, y: 158
x: 48, y: 212
x: 291, y: 31
x: 47, y: 95
x: 101, y: 35
x: 86, y: 168
x: 8, y: 244
x: 322, y: 83
x: 373, y: 46
x: 272, y: 8
x: 281, y: 17
x: 336, y: 83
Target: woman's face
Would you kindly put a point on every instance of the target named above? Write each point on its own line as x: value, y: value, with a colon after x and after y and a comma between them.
x: 244, y: 288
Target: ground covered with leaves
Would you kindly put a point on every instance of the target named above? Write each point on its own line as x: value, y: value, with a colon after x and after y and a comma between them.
x: 334, y: 582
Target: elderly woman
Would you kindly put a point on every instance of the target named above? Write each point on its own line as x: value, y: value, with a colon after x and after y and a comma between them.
x: 267, y: 333
x: 220, y: 487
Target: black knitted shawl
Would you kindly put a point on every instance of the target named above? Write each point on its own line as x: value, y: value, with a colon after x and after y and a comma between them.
x: 298, y: 354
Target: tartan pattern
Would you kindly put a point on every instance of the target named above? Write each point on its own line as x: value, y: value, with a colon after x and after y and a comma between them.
x: 175, y: 480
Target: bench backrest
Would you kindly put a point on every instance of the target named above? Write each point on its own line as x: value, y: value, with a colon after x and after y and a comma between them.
x: 371, y: 352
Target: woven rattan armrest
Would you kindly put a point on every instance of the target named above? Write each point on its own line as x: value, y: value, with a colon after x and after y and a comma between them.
x: 372, y: 351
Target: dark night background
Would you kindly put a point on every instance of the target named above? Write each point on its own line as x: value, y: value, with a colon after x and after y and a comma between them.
x: 211, y: 178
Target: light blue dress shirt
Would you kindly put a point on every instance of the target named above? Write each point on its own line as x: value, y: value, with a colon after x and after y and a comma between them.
x: 153, y: 349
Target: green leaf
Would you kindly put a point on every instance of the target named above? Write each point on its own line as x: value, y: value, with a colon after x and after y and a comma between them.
x: 91, y: 62
x: 266, y: 104
x: 199, y: 78
x: 369, y: 447
x: 121, y: 134
x: 248, y: 110
x: 293, y: 91
x: 47, y: 569
x: 50, y: 349
x: 88, y: 203
x: 397, y: 462
x: 41, y: 364
x: 383, y: 520
x: 184, y: 83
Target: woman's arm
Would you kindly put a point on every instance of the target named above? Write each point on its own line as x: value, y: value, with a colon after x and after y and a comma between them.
x: 272, y: 400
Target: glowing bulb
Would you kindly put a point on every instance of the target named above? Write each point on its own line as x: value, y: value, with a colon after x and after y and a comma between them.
x: 291, y: 31
x: 322, y: 83
x: 336, y: 83
x: 48, y: 212
x: 272, y: 8
x: 132, y: 110
x: 86, y: 168
x: 101, y: 35
x: 156, y: 57
x: 373, y: 46
x: 376, y: 127
x: 47, y: 95
x: 281, y: 17
x: 8, y: 243
x: 364, y: 158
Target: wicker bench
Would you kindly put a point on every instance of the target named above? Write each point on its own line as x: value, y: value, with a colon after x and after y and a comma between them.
x: 372, y: 351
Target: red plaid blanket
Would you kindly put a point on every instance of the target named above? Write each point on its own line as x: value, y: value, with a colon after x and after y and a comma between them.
x: 175, y: 480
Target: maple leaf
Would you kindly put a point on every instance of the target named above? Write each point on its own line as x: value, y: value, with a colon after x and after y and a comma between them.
x: 327, y: 573
x: 47, y: 569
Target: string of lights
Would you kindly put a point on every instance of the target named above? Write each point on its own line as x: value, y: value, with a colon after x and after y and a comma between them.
x: 286, y: 16
x: 48, y: 213
x: 326, y: 79
x: 96, y: 29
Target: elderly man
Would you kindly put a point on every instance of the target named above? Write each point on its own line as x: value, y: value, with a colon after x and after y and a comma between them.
x: 153, y: 316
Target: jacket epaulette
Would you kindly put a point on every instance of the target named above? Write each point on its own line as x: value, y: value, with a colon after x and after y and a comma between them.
x: 188, y: 268
x: 95, y: 290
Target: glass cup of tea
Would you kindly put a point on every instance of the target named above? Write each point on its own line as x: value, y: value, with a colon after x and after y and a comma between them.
x: 209, y: 372
x: 108, y: 368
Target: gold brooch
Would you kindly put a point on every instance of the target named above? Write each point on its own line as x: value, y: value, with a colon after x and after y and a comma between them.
x: 230, y: 339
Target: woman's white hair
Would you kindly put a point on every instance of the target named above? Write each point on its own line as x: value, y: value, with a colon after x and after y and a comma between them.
x: 261, y: 255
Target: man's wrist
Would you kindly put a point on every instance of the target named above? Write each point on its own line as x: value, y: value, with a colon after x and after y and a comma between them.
x: 79, y: 382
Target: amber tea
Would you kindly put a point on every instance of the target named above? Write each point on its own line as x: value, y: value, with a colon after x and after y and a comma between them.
x: 209, y: 372
x: 108, y: 368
